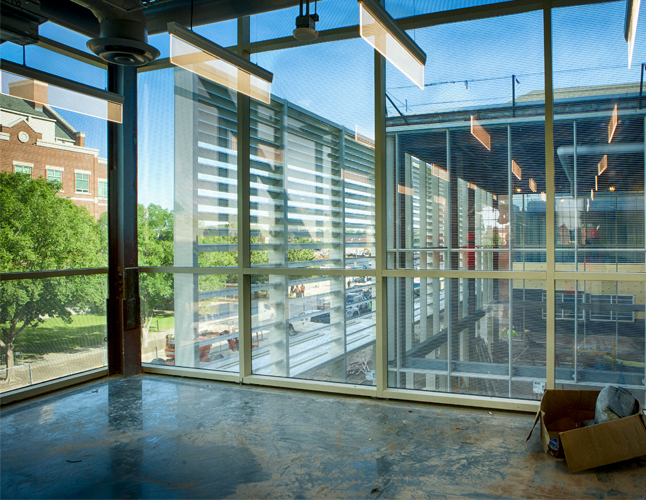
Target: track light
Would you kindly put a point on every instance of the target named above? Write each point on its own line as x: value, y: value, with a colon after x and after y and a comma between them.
x: 306, y: 24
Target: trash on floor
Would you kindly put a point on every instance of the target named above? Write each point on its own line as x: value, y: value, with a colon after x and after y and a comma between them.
x: 570, y: 429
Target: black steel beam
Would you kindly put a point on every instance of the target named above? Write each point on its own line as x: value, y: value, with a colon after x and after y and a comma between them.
x: 124, y: 331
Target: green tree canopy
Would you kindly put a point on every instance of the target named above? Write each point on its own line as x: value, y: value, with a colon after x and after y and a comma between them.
x: 40, y: 230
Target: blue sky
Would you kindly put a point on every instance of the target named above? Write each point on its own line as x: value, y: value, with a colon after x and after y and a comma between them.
x: 335, y: 80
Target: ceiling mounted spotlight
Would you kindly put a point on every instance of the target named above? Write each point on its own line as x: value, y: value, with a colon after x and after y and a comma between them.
x: 306, y: 24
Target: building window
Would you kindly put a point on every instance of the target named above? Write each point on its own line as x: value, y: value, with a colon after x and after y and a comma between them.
x: 82, y: 183
x: 103, y: 190
x: 23, y: 169
x: 55, y: 175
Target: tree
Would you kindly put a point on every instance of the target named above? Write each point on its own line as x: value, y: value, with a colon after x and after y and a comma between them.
x: 40, y: 230
x: 301, y: 254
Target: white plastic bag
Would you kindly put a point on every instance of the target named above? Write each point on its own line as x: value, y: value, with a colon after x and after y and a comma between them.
x: 614, y: 402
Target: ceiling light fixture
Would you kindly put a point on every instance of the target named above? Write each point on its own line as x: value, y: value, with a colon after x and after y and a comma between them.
x: 209, y: 60
x: 480, y: 133
x: 611, y: 188
x: 380, y: 30
x: 306, y: 24
x: 603, y: 165
x: 532, y: 184
x: 517, y: 171
x: 630, y: 26
x: 612, y: 126
x: 60, y: 92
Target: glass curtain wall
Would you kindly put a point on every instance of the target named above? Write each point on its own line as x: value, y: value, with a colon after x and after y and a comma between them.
x: 187, y: 214
x: 466, y: 194
x: 467, y: 262
x: 312, y: 208
x: 599, y: 202
x: 53, y: 222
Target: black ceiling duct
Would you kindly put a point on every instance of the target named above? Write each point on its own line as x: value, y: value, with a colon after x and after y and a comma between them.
x: 123, y: 36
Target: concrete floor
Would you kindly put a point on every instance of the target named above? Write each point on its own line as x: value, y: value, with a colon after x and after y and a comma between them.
x: 164, y: 437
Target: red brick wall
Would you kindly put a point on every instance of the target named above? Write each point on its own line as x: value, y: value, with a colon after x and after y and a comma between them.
x: 40, y: 156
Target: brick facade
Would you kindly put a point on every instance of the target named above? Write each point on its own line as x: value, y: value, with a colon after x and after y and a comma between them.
x: 45, y: 142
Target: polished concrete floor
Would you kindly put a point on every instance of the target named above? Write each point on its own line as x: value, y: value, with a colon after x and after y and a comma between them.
x: 162, y: 437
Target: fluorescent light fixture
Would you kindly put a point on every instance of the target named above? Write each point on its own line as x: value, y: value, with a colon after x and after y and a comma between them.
x: 587, y: 208
x: 480, y: 133
x: 517, y: 171
x: 532, y: 184
x: 612, y: 126
x: 472, y: 186
x: 603, y: 165
x: 43, y: 88
x: 592, y: 194
x: 630, y: 26
x: 596, y: 183
x: 209, y: 60
x: 380, y: 30
x: 405, y: 190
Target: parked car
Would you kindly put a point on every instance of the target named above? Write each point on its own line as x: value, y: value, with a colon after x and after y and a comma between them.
x: 308, y: 321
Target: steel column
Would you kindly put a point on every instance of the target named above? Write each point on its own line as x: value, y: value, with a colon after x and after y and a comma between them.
x: 123, y: 318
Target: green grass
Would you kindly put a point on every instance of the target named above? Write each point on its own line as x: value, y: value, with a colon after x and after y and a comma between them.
x: 86, y: 331
x: 162, y: 322
x: 54, y: 335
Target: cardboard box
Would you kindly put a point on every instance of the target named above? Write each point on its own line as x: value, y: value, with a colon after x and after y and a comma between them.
x: 561, y: 415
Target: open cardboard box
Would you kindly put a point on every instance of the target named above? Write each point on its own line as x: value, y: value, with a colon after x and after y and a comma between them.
x: 561, y: 414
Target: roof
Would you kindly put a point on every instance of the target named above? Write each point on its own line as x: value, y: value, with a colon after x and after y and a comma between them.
x: 621, y: 89
x: 62, y: 128
x: 60, y: 133
x: 18, y: 105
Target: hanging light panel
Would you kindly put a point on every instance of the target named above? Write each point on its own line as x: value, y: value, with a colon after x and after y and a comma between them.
x: 381, y: 31
x: 44, y: 88
x: 630, y: 26
x: 480, y: 133
x: 612, y: 126
x: 209, y: 60
x: 517, y: 171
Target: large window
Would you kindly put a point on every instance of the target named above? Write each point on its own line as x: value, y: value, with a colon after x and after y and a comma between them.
x: 480, y: 297
x: 599, y: 200
x: 466, y: 192
x: 52, y: 325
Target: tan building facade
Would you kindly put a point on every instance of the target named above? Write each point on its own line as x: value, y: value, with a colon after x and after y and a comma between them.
x: 35, y: 139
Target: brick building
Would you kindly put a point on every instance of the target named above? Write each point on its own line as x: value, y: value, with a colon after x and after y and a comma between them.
x: 35, y: 139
